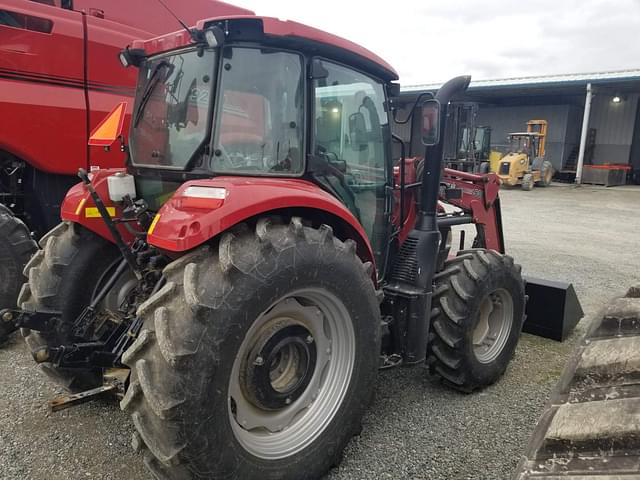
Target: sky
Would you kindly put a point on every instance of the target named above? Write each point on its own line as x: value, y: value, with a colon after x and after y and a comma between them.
x: 430, y: 41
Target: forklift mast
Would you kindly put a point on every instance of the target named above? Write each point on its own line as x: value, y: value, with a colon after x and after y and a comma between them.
x: 465, y: 143
x: 540, y: 127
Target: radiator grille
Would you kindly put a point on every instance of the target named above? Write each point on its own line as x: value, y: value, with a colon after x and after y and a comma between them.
x: 406, y: 265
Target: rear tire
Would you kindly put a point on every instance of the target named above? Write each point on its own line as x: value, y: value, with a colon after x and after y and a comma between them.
x: 546, y: 174
x: 62, y: 277
x: 16, y: 248
x: 192, y: 354
x: 478, y: 295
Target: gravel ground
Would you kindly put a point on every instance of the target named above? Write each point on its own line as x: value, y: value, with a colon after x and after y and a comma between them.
x: 416, y: 428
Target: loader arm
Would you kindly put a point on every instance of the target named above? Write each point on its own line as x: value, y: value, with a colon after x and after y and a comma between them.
x: 479, y: 198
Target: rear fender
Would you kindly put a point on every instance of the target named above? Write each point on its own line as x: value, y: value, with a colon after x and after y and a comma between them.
x: 179, y: 227
x: 78, y: 206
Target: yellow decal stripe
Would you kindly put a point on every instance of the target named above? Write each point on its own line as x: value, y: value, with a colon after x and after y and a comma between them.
x: 80, y: 205
x: 92, y: 212
x: 153, y: 224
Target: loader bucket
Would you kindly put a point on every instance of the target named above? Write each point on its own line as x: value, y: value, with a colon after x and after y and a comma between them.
x: 553, y: 309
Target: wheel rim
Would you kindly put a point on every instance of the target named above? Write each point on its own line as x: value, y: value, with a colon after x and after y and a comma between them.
x: 494, y: 325
x: 291, y: 373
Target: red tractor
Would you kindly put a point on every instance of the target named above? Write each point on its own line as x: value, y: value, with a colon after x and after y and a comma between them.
x: 59, y: 76
x: 263, y: 255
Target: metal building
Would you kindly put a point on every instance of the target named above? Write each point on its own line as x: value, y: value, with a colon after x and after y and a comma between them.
x: 594, y: 118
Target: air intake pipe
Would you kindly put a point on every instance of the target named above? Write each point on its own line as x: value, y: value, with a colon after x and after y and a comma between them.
x: 433, y: 156
x: 419, y: 252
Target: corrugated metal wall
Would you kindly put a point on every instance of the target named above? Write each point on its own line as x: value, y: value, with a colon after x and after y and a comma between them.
x: 614, y: 124
x: 572, y: 137
x: 504, y: 120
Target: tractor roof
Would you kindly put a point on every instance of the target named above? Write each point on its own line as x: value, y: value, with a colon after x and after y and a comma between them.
x: 284, y: 32
x: 525, y: 134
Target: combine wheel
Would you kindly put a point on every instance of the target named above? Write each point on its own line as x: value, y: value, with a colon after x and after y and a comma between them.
x: 64, y: 276
x: 16, y: 248
x: 478, y: 310
x: 258, y: 357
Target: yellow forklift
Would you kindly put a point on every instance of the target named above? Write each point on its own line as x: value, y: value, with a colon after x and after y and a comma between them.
x: 524, y: 163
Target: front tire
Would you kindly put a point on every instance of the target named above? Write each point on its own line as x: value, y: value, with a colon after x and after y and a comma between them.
x: 257, y: 359
x: 16, y: 248
x: 477, y: 316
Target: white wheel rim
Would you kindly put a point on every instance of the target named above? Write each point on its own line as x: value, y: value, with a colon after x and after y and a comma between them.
x: 283, y: 432
x: 494, y: 325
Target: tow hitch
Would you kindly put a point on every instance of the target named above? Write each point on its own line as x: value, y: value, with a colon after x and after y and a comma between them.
x: 114, y: 379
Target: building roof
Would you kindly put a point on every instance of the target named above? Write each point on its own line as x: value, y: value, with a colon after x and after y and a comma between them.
x: 550, y: 89
x: 569, y: 79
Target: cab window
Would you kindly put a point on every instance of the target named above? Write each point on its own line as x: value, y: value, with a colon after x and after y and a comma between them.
x: 260, y: 114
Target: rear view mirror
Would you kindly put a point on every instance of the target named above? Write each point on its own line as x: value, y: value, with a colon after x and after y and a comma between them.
x: 358, y: 132
x: 430, y: 122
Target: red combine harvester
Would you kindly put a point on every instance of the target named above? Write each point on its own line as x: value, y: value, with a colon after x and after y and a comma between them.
x: 263, y: 254
x: 59, y: 76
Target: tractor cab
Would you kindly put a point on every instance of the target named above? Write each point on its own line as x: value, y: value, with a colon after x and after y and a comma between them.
x: 524, y: 143
x: 269, y: 109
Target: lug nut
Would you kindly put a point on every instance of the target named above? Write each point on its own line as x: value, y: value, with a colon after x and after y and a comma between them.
x: 7, y: 316
x: 287, y: 400
x: 258, y: 361
x: 309, y: 339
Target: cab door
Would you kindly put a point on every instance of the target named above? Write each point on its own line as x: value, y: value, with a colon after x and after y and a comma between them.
x: 42, y: 96
x: 350, y: 151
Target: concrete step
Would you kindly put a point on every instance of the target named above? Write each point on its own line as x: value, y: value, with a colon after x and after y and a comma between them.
x: 621, y: 317
x: 590, y: 429
x: 592, y: 426
x: 610, y: 357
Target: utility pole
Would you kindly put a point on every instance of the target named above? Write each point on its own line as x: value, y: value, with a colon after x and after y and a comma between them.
x: 583, y: 134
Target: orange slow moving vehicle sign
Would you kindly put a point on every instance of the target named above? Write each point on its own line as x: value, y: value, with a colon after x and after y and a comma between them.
x: 109, y: 129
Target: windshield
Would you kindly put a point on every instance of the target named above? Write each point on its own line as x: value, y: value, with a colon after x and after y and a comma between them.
x: 170, y: 124
x: 259, y: 122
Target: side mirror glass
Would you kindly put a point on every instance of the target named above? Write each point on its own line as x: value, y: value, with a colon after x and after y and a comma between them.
x: 358, y: 132
x: 430, y: 122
